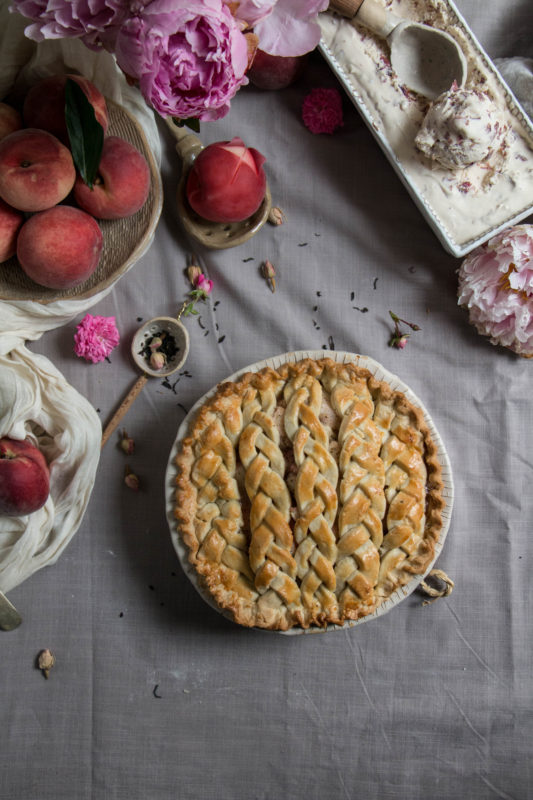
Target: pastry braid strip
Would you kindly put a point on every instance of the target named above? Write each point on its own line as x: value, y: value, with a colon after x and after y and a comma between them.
x: 271, y: 538
x: 361, y: 494
x: 315, y: 494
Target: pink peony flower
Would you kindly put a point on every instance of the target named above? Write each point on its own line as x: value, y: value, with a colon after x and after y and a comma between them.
x: 322, y: 110
x: 189, y: 59
x: 95, y: 338
x: 496, y: 287
x: 284, y: 27
x: 88, y: 20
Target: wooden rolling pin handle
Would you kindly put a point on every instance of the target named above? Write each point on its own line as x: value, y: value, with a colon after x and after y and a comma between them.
x: 126, y: 404
x: 346, y: 8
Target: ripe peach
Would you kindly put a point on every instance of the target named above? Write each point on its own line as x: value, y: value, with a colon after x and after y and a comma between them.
x: 24, y: 477
x: 226, y: 182
x: 10, y: 120
x: 44, y: 105
x: 122, y: 184
x: 59, y: 248
x: 275, y: 72
x: 36, y: 170
x: 10, y: 223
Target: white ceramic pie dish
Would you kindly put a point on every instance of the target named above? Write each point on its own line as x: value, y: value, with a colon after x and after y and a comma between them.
x: 454, y: 217
x: 381, y: 374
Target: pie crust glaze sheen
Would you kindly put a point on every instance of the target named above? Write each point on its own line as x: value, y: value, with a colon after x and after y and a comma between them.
x: 307, y: 494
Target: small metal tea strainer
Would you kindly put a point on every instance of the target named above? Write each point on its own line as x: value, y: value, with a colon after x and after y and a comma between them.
x: 169, y: 327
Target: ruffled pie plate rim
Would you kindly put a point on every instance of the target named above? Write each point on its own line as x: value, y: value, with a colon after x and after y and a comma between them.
x: 381, y: 374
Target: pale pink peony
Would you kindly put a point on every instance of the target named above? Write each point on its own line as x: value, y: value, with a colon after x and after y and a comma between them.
x: 189, y: 59
x: 89, y: 20
x: 322, y: 110
x: 496, y: 286
x: 95, y: 338
x: 284, y: 27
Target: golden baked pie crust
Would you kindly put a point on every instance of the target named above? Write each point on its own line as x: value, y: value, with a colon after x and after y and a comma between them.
x: 307, y: 494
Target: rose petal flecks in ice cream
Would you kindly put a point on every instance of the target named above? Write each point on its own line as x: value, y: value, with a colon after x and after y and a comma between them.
x: 462, y: 127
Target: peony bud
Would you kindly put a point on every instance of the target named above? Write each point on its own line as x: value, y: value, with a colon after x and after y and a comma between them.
x: 226, y: 182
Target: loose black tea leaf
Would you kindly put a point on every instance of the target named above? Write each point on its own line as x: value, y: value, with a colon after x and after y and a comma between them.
x: 85, y: 133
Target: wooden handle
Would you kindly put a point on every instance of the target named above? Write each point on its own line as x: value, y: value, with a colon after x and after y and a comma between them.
x: 126, y: 404
x: 187, y: 144
x: 346, y: 8
x: 369, y: 13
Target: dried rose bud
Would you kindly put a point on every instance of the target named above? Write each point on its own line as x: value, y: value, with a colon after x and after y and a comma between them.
x: 398, y: 341
x: 126, y: 444
x: 193, y: 273
x: 131, y: 480
x: 268, y: 272
x: 155, y: 343
x: 45, y: 661
x: 276, y: 216
x: 157, y: 360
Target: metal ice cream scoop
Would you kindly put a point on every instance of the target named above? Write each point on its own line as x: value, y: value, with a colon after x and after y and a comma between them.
x: 426, y: 60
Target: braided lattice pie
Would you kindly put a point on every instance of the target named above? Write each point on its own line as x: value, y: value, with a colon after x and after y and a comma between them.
x: 306, y: 495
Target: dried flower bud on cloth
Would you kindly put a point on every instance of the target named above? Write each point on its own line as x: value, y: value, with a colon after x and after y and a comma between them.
x: 35, y: 399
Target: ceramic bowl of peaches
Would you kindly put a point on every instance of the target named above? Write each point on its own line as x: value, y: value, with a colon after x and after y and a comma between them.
x: 80, y: 193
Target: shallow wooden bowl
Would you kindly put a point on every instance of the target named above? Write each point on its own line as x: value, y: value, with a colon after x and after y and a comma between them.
x: 124, y: 239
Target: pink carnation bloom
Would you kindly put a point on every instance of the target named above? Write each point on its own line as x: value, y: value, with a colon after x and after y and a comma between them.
x: 189, y: 58
x: 284, y: 27
x: 95, y: 338
x: 322, y: 110
x: 496, y: 286
x: 61, y: 19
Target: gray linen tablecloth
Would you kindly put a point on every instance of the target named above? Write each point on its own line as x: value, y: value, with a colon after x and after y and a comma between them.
x: 155, y: 695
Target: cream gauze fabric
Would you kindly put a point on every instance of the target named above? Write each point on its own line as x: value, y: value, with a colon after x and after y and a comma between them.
x: 35, y: 399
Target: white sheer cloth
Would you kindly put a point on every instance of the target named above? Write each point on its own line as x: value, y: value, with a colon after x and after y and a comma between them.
x: 35, y: 399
